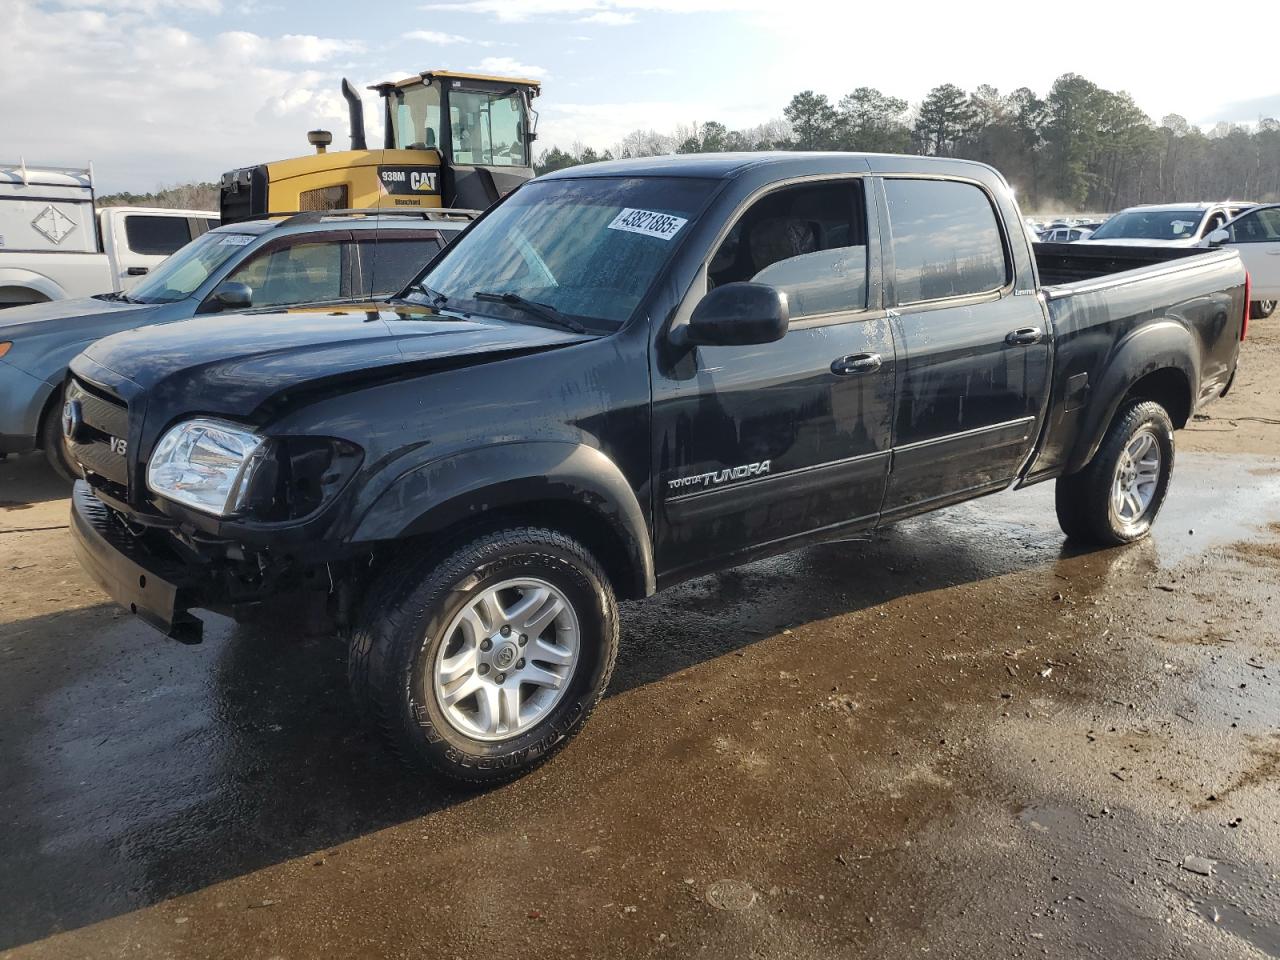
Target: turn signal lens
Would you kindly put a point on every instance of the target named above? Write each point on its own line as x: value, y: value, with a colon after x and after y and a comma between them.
x: 4, y: 346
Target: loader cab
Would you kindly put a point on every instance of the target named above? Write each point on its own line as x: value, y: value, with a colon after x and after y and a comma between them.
x: 480, y: 126
x: 449, y: 140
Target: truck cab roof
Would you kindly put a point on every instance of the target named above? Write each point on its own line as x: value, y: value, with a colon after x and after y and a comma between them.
x: 718, y: 166
x: 445, y: 219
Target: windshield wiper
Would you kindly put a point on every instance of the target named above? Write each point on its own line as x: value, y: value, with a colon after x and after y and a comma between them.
x: 542, y: 310
x: 117, y: 295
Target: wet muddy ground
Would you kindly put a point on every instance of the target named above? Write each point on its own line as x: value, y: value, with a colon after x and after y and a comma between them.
x: 961, y: 739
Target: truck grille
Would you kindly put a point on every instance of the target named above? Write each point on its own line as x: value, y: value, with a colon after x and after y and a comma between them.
x: 99, y: 442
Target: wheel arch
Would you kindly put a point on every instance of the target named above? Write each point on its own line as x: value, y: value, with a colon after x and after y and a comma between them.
x: 1158, y: 361
x: 20, y: 280
x: 566, y: 486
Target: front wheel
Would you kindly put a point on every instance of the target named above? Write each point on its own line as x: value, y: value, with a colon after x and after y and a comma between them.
x: 1116, y: 498
x: 1261, y: 309
x: 51, y: 442
x: 480, y: 665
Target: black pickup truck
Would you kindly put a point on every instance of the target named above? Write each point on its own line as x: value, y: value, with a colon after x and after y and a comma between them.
x: 622, y: 376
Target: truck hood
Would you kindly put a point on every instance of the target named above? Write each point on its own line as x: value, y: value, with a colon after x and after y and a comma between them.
x: 234, y: 363
x: 56, y: 315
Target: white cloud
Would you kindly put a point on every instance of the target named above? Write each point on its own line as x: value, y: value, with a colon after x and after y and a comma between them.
x: 155, y: 104
x: 510, y: 67
x: 305, y: 48
x: 607, y: 12
x: 143, y: 6
x: 517, y: 10
x: 609, y: 18
x: 435, y: 36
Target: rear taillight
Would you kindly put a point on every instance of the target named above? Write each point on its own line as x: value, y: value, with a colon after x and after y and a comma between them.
x: 1248, y: 292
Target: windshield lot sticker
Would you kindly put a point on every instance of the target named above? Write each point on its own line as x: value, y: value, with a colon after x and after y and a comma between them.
x: 235, y: 240
x: 648, y: 222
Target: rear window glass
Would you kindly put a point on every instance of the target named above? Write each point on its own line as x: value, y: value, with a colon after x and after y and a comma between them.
x: 946, y: 240
x: 156, y: 236
x: 387, y: 264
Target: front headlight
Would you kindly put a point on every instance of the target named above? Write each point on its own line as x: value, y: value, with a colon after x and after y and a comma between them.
x: 205, y: 464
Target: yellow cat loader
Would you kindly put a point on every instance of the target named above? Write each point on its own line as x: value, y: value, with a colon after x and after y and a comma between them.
x: 450, y: 140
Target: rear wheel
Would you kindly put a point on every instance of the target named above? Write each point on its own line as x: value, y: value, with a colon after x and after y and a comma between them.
x: 1116, y: 498
x: 1261, y: 309
x: 51, y: 442
x: 480, y: 665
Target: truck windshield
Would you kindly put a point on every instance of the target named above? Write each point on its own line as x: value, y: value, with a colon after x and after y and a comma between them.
x: 179, y: 276
x: 588, y: 248
x: 1150, y: 225
x: 488, y: 128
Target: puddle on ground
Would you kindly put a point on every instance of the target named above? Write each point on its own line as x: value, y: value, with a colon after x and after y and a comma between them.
x: 1213, y: 501
x: 1245, y: 902
x: 1060, y: 821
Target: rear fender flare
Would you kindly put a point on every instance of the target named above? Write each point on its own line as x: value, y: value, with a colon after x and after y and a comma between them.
x: 1163, y: 344
x: 30, y: 280
x: 443, y: 492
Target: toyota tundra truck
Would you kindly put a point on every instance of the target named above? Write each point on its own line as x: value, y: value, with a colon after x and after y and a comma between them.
x: 622, y: 376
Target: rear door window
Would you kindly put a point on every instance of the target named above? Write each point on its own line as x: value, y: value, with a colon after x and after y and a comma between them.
x: 389, y: 261
x: 156, y: 236
x: 946, y: 240
x: 810, y: 242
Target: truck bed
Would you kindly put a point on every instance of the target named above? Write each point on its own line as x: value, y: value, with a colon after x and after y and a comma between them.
x: 1183, y: 301
x: 1062, y: 264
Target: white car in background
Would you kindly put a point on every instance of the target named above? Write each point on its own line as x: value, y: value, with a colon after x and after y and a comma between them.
x: 1065, y: 235
x: 1255, y: 235
x: 1166, y: 224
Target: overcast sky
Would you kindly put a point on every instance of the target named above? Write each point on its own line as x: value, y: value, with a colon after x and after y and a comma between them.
x: 159, y: 92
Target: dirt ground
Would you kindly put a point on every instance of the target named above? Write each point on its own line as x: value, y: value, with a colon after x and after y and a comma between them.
x: 962, y: 739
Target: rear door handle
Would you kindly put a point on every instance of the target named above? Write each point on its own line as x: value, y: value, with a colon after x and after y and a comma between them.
x: 137, y: 271
x: 1024, y: 336
x: 855, y: 363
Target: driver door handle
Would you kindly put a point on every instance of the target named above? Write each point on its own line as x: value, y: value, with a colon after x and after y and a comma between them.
x: 855, y: 363
x: 1024, y: 336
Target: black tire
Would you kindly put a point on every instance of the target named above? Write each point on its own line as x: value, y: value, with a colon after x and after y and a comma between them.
x: 406, y: 620
x: 1069, y: 499
x: 1261, y: 309
x: 51, y: 440
x: 1086, y: 510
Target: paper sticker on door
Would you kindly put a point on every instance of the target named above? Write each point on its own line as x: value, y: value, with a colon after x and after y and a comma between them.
x: 648, y: 222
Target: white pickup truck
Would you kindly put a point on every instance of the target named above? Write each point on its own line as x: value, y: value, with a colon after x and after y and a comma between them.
x: 53, y: 245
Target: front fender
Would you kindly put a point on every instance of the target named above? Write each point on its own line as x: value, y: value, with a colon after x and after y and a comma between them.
x: 1164, y: 344
x: 22, y: 401
x: 438, y: 494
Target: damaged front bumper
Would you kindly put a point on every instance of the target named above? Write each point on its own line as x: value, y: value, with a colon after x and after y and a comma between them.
x: 158, y: 588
